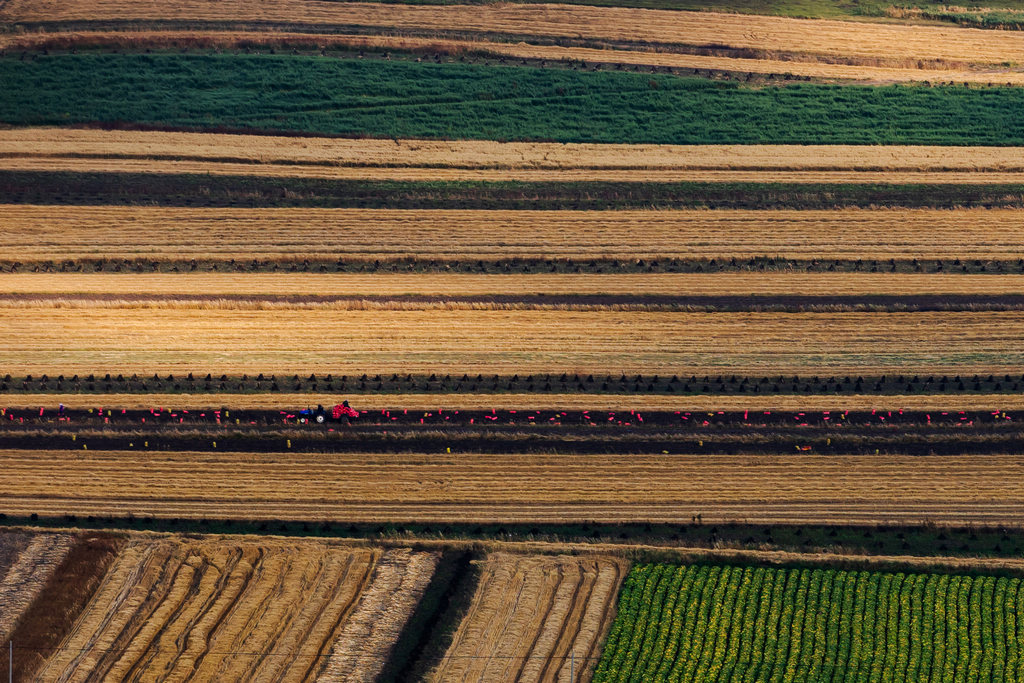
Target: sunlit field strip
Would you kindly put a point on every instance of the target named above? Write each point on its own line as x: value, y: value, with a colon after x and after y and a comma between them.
x: 44, y: 339
x: 66, y: 232
x: 484, y: 154
x: 469, y: 487
x: 495, y: 175
x: 826, y: 37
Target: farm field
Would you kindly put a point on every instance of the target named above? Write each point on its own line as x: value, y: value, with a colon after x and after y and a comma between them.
x: 575, y: 291
x: 747, y: 623
x: 37, y: 233
x: 157, y: 167
x: 296, y: 288
x: 523, y: 401
x: 368, y: 154
x: 779, y: 34
x: 501, y: 488
x: 53, y: 340
x: 403, y: 99
x: 532, y: 614
x: 27, y: 561
x: 218, y: 607
x: 483, y: 49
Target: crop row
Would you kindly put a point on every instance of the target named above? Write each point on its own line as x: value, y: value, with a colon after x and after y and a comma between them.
x: 401, y: 99
x: 503, y: 384
x: 808, y: 422
x: 704, y: 623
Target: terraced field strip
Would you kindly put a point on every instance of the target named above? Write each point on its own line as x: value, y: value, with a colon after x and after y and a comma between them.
x: 27, y: 561
x: 493, y: 175
x: 45, y: 339
x: 519, y: 50
x: 298, y: 287
x: 531, y: 613
x: 754, y: 623
x: 512, y: 401
x: 506, y: 488
x: 802, y: 36
x: 55, y: 143
x: 67, y: 232
x: 230, y: 609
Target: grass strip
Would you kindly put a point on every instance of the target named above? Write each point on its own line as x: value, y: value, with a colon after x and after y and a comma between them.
x: 424, y: 100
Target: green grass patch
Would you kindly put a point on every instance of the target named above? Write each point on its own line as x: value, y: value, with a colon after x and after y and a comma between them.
x: 754, y: 623
x: 411, y: 100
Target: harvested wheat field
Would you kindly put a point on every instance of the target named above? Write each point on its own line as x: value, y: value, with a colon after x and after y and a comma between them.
x: 242, y: 610
x: 530, y: 615
x: 257, y: 150
x: 534, y: 401
x: 65, y: 232
x: 504, y: 488
x: 42, y: 339
x: 493, y: 175
x: 308, y: 286
x: 776, y: 34
x: 165, y: 166
x: 27, y: 561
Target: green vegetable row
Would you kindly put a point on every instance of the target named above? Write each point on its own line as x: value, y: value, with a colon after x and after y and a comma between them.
x: 751, y: 624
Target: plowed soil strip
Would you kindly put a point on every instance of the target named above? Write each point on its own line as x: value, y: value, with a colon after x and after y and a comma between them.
x: 529, y: 615
x: 826, y: 37
x: 64, y: 232
x: 43, y: 339
x: 515, y: 488
x: 219, y: 608
x: 258, y: 150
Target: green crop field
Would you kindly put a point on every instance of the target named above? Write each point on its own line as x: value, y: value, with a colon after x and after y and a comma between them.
x: 408, y: 99
x: 709, y: 623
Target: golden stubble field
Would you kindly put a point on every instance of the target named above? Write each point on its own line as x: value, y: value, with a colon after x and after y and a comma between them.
x: 53, y: 340
x: 35, y: 233
x: 233, y: 609
x: 46, y: 143
x: 823, y: 37
x: 468, y: 487
x: 530, y: 615
x: 100, y: 289
x: 166, y: 166
x: 27, y: 562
